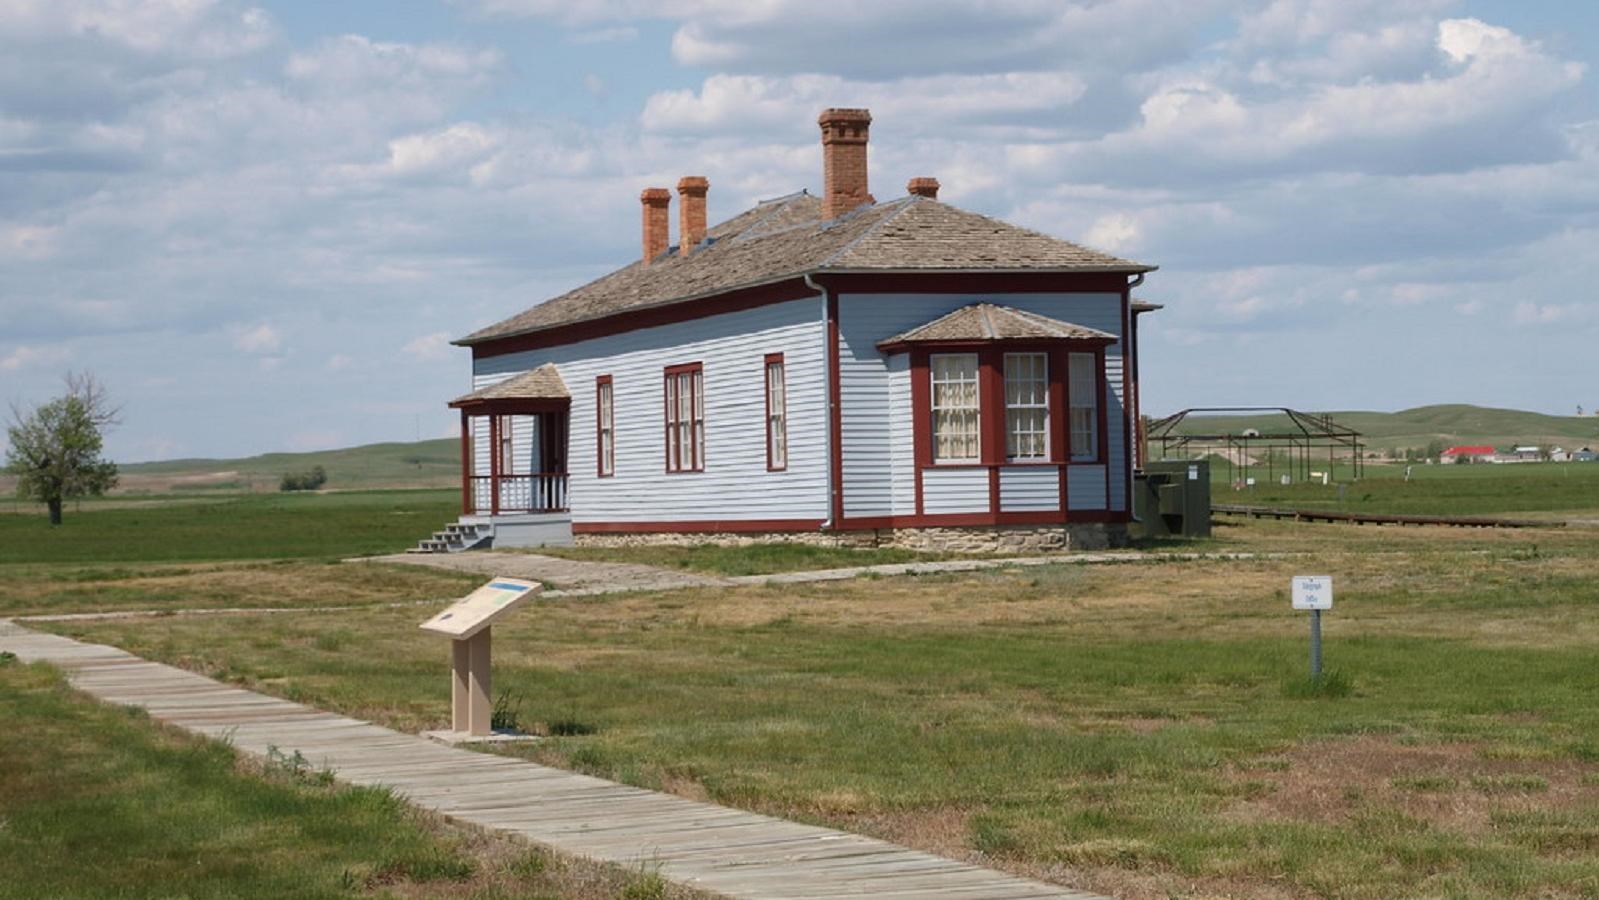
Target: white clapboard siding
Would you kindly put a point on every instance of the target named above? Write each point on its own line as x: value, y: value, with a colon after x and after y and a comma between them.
x: 735, y: 484
x: 1029, y: 488
x: 955, y: 490
x: 902, y: 494
x: 1085, y: 487
x: 877, y: 446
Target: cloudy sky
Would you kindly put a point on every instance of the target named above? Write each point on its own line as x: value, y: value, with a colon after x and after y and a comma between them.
x: 261, y: 225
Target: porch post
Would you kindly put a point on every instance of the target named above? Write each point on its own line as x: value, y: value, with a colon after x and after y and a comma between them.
x: 466, y: 464
x: 494, y: 464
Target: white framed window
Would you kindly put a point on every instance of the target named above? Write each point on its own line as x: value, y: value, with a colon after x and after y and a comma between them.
x: 1026, y: 406
x: 605, y: 426
x: 776, y: 413
x: 1083, y: 402
x: 685, y: 418
x: 957, y: 433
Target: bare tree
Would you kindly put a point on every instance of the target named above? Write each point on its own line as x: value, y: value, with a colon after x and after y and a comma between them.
x: 55, y: 447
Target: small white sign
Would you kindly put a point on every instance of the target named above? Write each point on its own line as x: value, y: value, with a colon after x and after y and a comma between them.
x: 1193, y: 473
x: 1313, y: 592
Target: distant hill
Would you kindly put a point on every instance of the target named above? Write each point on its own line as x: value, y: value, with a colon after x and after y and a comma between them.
x: 1452, y: 423
x: 434, y: 463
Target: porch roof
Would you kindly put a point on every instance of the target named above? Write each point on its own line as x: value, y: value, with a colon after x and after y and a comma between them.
x: 992, y: 322
x: 539, y: 387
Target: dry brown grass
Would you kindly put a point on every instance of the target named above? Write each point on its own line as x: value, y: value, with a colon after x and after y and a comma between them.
x: 1459, y: 786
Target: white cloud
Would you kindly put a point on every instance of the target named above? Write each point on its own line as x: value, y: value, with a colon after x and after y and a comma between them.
x: 259, y: 340
x: 1482, y: 82
x: 1528, y: 312
x: 751, y: 103
x: 605, y: 36
x: 25, y: 357
x: 1114, y: 233
x: 355, y: 59
x: 455, y: 148
x: 430, y: 347
x: 204, y: 29
x: 29, y: 241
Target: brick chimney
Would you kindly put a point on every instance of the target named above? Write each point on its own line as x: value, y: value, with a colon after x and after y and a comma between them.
x: 923, y: 187
x: 657, y: 222
x: 690, y: 212
x: 844, y: 134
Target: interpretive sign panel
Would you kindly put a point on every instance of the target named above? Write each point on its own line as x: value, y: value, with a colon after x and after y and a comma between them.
x: 1312, y: 591
x: 482, y: 608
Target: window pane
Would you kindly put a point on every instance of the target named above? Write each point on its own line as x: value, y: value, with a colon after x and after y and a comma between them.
x: 1026, y: 406
x: 955, y: 409
x: 1084, y: 402
x: 776, y: 416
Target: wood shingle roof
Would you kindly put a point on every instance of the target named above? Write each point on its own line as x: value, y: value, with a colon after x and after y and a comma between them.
x: 787, y: 237
x: 542, y: 383
x: 992, y: 322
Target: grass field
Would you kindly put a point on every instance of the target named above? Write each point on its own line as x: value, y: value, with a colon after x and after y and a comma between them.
x: 1536, y: 490
x: 98, y: 801
x: 240, y: 526
x: 1142, y: 729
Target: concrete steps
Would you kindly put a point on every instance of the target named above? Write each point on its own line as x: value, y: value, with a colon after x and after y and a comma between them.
x: 456, y: 537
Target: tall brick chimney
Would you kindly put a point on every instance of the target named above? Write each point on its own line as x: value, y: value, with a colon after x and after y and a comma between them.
x: 923, y: 187
x: 657, y: 221
x: 844, y: 134
x: 690, y: 212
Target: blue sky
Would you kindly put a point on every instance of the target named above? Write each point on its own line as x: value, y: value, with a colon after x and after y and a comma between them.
x: 261, y: 225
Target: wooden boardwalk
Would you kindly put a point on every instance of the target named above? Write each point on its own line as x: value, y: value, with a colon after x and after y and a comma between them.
x: 725, y: 851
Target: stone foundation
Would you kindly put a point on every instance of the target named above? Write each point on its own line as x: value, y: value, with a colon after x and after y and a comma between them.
x: 1024, y: 539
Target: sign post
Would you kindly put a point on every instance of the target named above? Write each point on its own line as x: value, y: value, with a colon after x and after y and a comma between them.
x: 467, y: 622
x: 1315, y: 593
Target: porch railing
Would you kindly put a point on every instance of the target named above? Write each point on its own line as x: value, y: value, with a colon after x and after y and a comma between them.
x: 537, y: 493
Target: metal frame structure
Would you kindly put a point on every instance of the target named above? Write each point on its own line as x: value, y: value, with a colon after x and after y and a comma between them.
x: 1308, y: 434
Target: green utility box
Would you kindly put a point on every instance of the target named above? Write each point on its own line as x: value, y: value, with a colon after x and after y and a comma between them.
x: 1172, y: 497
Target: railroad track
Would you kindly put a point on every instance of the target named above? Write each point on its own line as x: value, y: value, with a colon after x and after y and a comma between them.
x: 1323, y: 515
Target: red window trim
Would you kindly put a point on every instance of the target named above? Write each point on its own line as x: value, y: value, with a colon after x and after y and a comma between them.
x: 601, y: 382
x: 766, y: 366
x: 1101, y: 420
x: 668, y: 377
x: 991, y: 422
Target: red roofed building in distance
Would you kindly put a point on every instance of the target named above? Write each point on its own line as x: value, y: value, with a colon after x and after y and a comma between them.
x: 1474, y: 453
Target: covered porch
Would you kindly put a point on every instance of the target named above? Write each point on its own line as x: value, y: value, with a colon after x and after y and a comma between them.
x: 514, y: 445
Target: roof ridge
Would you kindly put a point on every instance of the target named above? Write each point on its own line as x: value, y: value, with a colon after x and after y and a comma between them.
x: 905, y: 203
x: 778, y: 204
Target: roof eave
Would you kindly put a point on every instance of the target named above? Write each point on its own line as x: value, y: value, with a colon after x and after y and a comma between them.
x: 473, y: 339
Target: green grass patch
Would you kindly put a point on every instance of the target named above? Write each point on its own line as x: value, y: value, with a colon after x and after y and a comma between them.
x: 1520, y: 489
x: 98, y: 802
x: 270, y: 526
